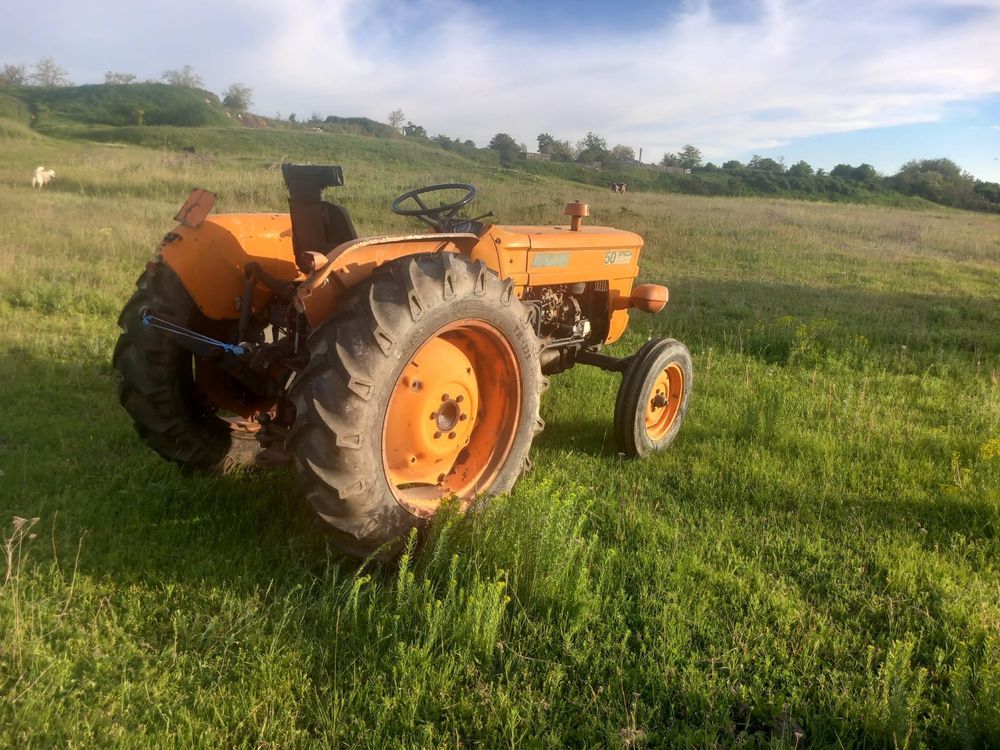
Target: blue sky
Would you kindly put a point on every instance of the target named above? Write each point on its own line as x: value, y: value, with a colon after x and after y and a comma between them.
x: 881, y: 81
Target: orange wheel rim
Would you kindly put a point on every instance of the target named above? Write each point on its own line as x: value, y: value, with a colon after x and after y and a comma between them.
x: 452, y: 416
x: 663, y: 402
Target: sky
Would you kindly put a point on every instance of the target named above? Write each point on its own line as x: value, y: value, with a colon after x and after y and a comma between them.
x: 825, y: 81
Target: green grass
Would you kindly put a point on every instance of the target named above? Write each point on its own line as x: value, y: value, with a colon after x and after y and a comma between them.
x: 812, y: 564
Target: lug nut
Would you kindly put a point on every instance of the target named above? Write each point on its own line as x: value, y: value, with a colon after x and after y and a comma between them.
x: 437, y: 435
x: 444, y: 396
x: 451, y: 435
x: 462, y: 417
x: 459, y: 399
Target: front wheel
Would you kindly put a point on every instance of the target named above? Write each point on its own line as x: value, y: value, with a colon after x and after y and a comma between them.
x: 426, y: 386
x: 653, y: 397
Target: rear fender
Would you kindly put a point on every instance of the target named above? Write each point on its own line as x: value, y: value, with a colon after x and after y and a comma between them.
x: 210, y: 260
x: 352, y: 262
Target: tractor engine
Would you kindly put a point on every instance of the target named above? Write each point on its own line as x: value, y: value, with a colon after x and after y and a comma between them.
x: 568, y: 317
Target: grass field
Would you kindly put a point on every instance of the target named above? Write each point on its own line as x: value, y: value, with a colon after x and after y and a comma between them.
x: 814, y: 563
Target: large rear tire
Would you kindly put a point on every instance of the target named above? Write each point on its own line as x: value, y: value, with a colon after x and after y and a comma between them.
x: 427, y: 385
x: 157, y: 385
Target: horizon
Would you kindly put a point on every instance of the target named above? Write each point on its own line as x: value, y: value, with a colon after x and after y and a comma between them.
x: 881, y: 83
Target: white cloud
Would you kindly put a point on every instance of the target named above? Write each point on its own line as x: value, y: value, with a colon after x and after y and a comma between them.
x: 822, y: 67
x: 798, y: 69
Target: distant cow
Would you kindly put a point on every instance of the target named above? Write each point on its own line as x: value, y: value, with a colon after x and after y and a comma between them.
x: 41, y: 177
x: 189, y: 149
x: 619, y: 187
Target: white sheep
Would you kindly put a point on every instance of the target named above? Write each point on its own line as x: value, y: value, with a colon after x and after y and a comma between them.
x: 41, y: 177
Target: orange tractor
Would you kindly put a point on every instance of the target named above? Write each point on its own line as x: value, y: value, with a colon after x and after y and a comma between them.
x: 394, y: 371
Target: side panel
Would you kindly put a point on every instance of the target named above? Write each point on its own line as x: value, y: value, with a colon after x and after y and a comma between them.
x: 506, y: 253
x: 210, y: 259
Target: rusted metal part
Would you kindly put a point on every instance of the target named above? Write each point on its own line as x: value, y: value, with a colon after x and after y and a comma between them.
x: 195, y: 208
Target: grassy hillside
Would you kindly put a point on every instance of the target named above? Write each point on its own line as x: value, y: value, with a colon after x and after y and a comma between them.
x: 130, y: 104
x: 813, y: 563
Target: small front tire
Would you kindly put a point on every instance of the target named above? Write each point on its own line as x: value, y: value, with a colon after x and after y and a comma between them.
x: 653, y: 397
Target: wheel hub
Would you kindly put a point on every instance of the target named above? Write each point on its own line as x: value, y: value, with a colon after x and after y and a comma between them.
x: 452, y: 416
x: 664, y: 401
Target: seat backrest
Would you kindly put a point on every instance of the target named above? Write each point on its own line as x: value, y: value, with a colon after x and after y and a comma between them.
x: 317, y: 225
x: 338, y: 224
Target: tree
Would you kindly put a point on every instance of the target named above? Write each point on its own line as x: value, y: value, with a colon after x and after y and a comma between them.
x: 800, y: 169
x: 48, y: 73
x: 560, y: 151
x: 396, y: 118
x: 670, y: 160
x: 593, y: 148
x: 621, y: 154
x: 843, y: 171
x: 507, y: 146
x: 865, y: 173
x: 183, y: 77
x: 765, y: 164
x: 938, y: 180
x: 444, y: 141
x: 292, y: 118
x: 732, y: 164
x: 592, y: 142
x: 118, y: 79
x: 689, y: 157
x: 13, y: 75
x: 545, y: 141
x: 238, y: 97
x: 412, y: 130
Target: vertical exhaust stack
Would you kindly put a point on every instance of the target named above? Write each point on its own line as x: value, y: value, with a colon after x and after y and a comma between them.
x: 317, y: 226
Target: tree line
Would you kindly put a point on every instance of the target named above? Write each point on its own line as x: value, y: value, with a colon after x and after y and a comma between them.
x: 937, y: 180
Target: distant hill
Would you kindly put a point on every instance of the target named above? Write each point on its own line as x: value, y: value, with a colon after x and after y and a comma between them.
x: 360, y: 125
x: 101, y: 104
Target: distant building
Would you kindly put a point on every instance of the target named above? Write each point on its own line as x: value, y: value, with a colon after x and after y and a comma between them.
x: 676, y: 170
x: 535, y: 156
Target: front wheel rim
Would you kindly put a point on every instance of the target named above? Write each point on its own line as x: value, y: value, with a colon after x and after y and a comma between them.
x: 663, y: 401
x: 452, y: 416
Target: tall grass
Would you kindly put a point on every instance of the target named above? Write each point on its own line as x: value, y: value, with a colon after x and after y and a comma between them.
x: 813, y: 563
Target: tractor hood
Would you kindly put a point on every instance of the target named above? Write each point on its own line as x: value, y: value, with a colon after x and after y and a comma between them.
x: 584, y: 238
x: 561, y: 255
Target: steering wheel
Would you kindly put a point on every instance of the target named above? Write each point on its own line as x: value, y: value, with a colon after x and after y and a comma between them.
x: 436, y: 216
